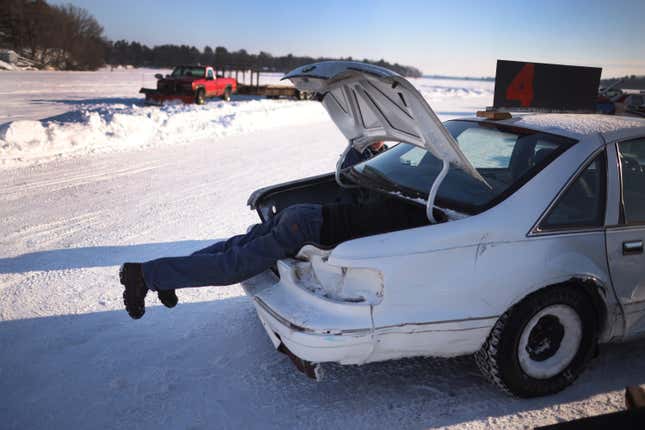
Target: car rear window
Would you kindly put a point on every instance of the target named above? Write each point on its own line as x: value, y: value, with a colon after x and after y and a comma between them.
x: 506, y: 157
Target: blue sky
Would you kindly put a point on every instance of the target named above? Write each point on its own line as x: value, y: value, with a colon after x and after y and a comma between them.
x: 462, y: 38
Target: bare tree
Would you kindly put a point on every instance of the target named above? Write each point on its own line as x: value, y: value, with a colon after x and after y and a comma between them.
x: 66, y: 37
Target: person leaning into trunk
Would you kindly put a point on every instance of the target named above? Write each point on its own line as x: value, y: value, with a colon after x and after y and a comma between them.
x: 244, y: 256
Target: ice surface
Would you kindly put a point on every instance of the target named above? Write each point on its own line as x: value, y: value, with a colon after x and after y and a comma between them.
x: 70, y: 357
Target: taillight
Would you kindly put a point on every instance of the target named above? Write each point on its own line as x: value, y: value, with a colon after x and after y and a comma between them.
x: 341, y: 284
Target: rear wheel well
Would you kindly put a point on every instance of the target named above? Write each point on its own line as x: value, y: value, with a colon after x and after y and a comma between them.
x: 543, y: 342
x: 595, y: 290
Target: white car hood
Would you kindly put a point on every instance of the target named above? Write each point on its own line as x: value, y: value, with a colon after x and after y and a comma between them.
x: 370, y: 103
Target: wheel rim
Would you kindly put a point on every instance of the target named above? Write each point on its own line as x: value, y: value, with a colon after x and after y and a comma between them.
x: 550, y: 341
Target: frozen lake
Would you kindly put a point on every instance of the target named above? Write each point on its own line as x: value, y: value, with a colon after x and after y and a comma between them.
x: 108, y: 180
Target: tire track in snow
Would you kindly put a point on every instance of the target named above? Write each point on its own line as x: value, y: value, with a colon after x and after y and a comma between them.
x: 67, y: 181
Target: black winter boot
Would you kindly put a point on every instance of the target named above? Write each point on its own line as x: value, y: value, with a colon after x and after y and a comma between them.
x: 131, y: 277
x: 168, y: 298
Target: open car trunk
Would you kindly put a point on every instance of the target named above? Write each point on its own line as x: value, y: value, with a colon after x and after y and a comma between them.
x: 322, y: 189
x: 310, y: 269
x: 367, y: 104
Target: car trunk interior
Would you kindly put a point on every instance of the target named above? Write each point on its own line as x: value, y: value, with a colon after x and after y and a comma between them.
x: 324, y: 190
x: 309, y: 269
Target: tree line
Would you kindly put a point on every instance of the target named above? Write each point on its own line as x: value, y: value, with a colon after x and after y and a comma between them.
x: 70, y: 38
x: 62, y: 37
x: 631, y: 82
x: 138, y: 55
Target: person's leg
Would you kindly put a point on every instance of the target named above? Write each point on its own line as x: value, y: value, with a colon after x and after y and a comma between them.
x: 256, y: 230
x: 294, y: 227
x: 169, y: 297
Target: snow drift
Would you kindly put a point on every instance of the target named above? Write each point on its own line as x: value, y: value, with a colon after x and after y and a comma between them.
x: 115, y: 127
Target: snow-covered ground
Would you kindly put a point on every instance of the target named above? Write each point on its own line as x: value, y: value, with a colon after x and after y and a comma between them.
x: 127, y: 182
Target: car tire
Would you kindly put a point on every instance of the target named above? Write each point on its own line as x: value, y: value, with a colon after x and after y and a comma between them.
x: 541, y: 345
x: 227, y: 94
x: 200, y: 96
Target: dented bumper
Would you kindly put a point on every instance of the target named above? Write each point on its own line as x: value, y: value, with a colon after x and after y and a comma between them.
x: 317, y: 329
x: 312, y: 328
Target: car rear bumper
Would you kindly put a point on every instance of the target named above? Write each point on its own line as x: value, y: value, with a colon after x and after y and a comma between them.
x: 319, y: 330
x: 304, y: 323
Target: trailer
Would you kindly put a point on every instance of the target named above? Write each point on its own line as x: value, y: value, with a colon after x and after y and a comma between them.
x: 252, y: 86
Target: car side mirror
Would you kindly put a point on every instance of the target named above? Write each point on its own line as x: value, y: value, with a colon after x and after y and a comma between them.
x: 159, y: 76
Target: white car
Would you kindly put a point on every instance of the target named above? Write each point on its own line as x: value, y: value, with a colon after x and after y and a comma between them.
x: 533, y: 256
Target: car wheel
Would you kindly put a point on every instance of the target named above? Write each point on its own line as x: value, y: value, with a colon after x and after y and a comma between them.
x: 200, y: 97
x: 227, y: 94
x: 541, y: 344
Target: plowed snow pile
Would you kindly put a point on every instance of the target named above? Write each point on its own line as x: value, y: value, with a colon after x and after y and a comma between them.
x: 118, y: 127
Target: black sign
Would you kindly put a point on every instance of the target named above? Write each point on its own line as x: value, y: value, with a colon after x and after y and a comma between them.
x: 548, y: 87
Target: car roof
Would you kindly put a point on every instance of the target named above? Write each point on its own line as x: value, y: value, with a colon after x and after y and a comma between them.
x: 575, y: 126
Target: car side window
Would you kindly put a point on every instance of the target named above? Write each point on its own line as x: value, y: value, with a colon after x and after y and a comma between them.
x: 632, y: 170
x: 210, y: 74
x: 583, y: 203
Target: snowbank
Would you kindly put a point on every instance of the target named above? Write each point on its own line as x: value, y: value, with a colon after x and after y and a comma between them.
x: 7, y: 66
x: 115, y: 127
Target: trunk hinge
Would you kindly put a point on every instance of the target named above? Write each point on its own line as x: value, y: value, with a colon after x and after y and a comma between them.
x: 433, y: 191
x: 339, y: 165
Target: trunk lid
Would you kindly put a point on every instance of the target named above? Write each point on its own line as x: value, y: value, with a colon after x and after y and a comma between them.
x: 369, y: 103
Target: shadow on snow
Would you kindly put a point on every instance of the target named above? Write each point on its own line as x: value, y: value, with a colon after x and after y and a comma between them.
x: 98, y: 256
x: 210, y: 365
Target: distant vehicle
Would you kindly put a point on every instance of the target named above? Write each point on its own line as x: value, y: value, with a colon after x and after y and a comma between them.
x: 190, y: 84
x: 621, y: 102
x: 630, y: 103
x: 533, y: 254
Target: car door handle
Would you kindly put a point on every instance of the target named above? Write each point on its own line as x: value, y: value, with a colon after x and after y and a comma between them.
x: 633, y: 247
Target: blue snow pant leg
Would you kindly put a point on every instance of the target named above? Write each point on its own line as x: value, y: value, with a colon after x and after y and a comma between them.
x: 246, y: 256
x: 255, y: 231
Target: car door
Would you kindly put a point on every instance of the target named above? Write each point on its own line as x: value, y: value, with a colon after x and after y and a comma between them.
x: 211, y: 83
x: 625, y: 240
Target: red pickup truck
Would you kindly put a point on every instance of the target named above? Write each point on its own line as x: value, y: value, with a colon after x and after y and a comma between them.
x: 190, y: 84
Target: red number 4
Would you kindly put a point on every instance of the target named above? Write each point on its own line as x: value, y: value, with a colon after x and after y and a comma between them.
x: 521, y: 88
